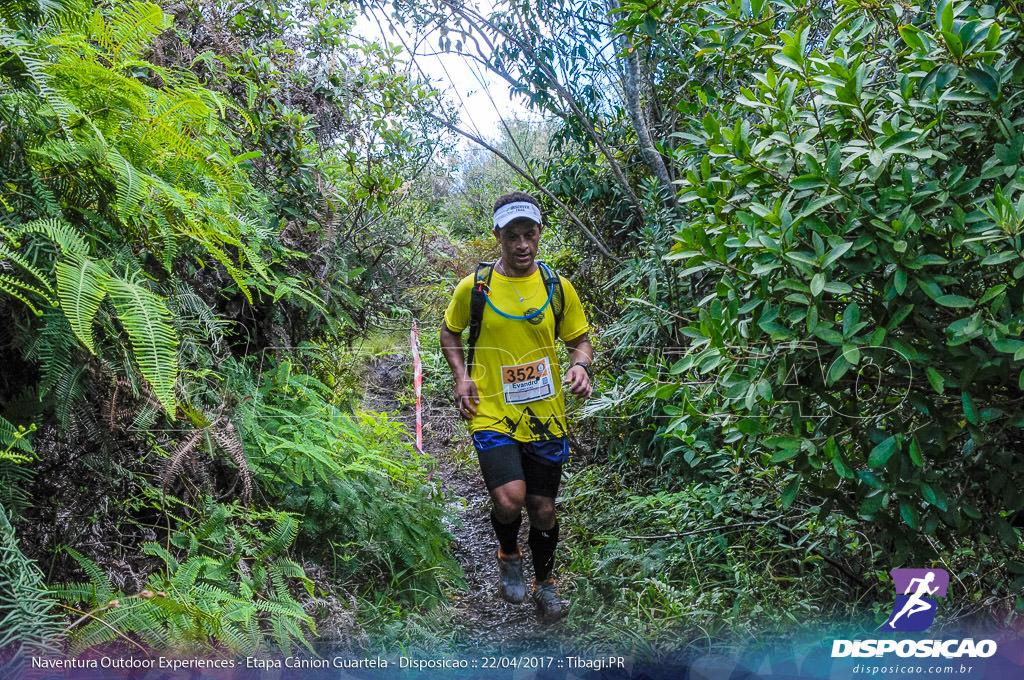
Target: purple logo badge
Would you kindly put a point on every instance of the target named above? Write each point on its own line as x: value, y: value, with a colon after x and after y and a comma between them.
x: 914, y: 610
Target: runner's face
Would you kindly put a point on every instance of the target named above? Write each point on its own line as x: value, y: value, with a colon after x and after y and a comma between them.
x: 519, y: 241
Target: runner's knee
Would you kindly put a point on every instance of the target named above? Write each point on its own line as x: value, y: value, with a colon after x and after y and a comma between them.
x: 541, y: 510
x: 508, y: 501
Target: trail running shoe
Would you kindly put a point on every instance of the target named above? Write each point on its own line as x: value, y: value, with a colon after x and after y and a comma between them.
x: 550, y: 607
x: 511, y: 584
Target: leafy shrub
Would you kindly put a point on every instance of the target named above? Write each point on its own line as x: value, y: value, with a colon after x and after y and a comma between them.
x: 360, y: 491
x: 224, y: 586
x: 853, y: 205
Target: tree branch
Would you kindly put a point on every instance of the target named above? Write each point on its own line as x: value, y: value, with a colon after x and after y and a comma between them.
x: 529, y: 178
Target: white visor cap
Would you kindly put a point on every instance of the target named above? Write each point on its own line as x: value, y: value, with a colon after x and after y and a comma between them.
x: 513, y: 211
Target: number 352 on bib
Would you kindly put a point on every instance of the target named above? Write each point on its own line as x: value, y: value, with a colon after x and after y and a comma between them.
x: 527, y: 382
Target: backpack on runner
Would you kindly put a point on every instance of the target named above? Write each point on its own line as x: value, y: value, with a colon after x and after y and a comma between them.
x: 478, y: 301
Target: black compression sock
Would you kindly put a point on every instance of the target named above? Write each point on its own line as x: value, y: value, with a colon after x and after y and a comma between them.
x: 508, y: 534
x: 542, y: 545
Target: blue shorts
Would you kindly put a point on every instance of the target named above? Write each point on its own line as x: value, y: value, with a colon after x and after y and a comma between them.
x: 503, y: 460
x: 555, y: 450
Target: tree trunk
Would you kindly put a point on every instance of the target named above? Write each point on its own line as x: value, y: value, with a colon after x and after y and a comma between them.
x: 634, y: 108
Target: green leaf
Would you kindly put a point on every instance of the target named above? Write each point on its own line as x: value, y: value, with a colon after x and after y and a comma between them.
x: 829, y: 335
x: 817, y: 284
x: 970, y: 413
x: 911, y: 38
x: 807, y: 182
x: 999, y: 258
x: 992, y: 293
x: 785, y: 454
x: 937, y: 381
x: 1006, y: 533
x: 881, y: 454
x: 837, y: 370
x: 871, y: 505
x: 786, y: 61
x: 789, y: 494
x: 749, y: 426
x: 910, y: 514
x: 944, y: 15
x: 899, y: 281
x: 851, y: 317
x: 841, y: 468
x: 929, y: 495
x: 983, y: 81
x: 955, y: 301
x: 838, y: 288
x: 783, y: 442
x: 837, y: 252
x: 852, y: 354
x: 915, y: 453
x: 816, y: 205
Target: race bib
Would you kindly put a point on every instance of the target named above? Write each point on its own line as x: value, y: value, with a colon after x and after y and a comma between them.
x: 527, y: 382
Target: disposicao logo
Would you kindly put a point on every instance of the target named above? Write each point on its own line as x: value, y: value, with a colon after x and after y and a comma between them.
x: 913, y: 611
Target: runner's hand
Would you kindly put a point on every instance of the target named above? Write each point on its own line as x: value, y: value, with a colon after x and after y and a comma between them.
x: 578, y: 382
x: 466, y: 398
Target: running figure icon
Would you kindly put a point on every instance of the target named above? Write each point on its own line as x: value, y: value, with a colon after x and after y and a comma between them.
x: 916, y: 604
x: 914, y: 610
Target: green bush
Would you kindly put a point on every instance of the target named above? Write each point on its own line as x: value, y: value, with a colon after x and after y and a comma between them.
x: 360, y: 490
x: 224, y: 585
x: 853, y: 205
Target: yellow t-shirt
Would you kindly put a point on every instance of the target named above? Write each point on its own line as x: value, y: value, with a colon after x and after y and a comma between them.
x: 515, y: 366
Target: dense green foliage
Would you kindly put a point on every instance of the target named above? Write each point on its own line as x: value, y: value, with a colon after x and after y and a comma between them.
x: 184, y: 202
x: 855, y: 224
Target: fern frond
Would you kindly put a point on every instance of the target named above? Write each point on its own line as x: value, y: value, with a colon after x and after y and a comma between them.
x: 185, y: 577
x: 28, y: 624
x: 287, y: 608
x: 182, y: 451
x: 187, y: 304
x: 20, y: 260
x: 157, y: 550
x: 11, y: 438
x: 36, y: 70
x: 99, y: 587
x: 82, y: 285
x: 134, y: 26
x: 68, y: 393
x: 227, y: 439
x: 213, y: 526
x: 237, y: 274
x: 52, y: 347
x: 67, y: 238
x: 131, y: 185
x: 15, y: 287
x: 154, y: 341
x: 15, y: 481
x: 281, y: 536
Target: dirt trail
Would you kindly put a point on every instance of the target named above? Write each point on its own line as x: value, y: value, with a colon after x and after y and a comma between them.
x: 482, y: 619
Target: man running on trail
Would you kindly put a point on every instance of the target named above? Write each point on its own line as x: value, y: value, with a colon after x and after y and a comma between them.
x: 510, y: 390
